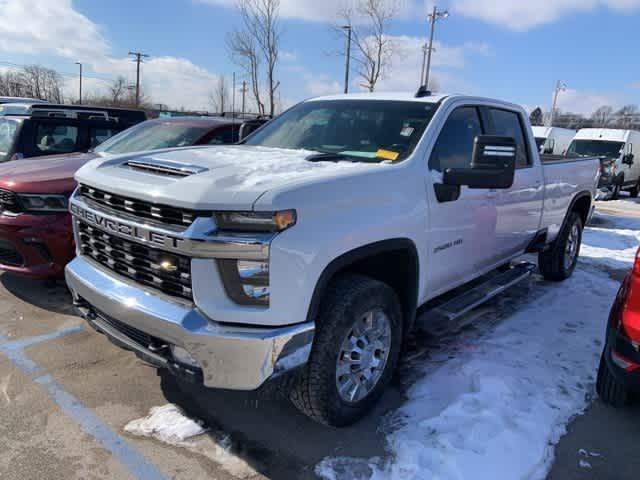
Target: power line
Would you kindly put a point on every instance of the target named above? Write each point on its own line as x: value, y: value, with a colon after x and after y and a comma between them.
x: 139, y: 56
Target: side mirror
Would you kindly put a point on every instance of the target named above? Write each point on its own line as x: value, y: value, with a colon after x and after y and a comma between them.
x: 628, y: 159
x: 493, y: 164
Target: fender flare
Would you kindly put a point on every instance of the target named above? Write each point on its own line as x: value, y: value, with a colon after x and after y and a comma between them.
x: 343, y: 261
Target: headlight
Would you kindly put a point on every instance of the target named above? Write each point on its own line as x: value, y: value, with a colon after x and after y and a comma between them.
x: 246, y: 281
x: 256, y: 221
x: 44, y: 203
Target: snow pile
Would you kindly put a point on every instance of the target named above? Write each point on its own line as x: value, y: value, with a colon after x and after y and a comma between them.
x: 497, y: 407
x: 168, y: 424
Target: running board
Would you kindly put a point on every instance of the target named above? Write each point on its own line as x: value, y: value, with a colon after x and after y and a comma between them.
x: 452, y: 309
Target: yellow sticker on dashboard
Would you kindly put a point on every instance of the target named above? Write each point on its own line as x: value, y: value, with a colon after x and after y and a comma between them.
x: 387, y: 154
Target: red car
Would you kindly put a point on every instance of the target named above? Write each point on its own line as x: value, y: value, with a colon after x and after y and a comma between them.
x: 36, y: 238
x: 619, y: 373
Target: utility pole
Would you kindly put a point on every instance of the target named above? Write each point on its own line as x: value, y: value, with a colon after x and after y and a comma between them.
x: 80, y: 93
x: 348, y: 58
x: 233, y: 96
x: 560, y: 87
x: 433, y: 16
x: 139, y: 56
x: 244, y: 93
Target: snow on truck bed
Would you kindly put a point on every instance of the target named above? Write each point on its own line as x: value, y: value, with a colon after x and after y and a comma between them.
x: 494, y: 407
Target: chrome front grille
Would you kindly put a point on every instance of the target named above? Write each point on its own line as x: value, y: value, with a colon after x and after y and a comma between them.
x: 167, y: 272
x: 9, y: 202
x: 143, y: 209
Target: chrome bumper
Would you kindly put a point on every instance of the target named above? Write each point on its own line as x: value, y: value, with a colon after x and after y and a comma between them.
x: 230, y: 357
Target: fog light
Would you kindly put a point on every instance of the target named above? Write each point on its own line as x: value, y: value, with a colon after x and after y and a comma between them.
x: 257, y: 292
x: 183, y: 356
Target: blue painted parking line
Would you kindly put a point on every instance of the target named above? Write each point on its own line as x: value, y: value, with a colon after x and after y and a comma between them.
x: 72, y: 407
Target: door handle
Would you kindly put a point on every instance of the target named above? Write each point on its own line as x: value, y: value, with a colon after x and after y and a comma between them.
x: 493, y: 193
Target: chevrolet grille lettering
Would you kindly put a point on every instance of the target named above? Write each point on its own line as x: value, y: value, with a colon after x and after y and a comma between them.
x: 141, y: 234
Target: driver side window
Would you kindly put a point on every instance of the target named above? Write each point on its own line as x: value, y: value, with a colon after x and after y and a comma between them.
x: 454, y: 147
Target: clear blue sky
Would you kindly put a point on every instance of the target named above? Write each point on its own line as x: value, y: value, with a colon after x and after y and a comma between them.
x: 487, y: 47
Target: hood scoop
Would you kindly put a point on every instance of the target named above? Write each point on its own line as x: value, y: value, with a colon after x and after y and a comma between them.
x: 164, y: 167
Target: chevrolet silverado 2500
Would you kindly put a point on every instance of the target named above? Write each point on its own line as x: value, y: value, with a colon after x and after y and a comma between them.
x: 304, y: 252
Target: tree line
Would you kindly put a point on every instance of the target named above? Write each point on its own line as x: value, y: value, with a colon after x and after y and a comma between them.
x: 626, y: 118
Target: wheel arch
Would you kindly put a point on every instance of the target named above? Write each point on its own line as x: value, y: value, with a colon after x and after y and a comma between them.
x: 393, y: 261
x: 581, y: 204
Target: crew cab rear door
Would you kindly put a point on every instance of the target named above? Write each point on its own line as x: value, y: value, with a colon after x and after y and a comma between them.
x: 462, y: 220
x: 519, y: 208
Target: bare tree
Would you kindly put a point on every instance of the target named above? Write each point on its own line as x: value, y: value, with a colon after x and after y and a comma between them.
x: 374, y: 49
x: 117, y: 90
x: 257, y: 44
x: 219, y: 97
x: 627, y: 116
x: 602, y: 116
x: 40, y: 82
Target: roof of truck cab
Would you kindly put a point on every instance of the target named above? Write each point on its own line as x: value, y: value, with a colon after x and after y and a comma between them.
x: 399, y: 96
x: 411, y: 97
x: 612, y: 134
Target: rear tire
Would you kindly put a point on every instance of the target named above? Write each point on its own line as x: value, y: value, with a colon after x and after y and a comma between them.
x: 559, y: 261
x: 609, y: 389
x: 349, y: 299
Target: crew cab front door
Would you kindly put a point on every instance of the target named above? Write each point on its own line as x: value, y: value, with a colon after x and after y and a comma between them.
x: 462, y: 221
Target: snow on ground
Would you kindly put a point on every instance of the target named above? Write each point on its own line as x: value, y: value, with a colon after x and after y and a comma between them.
x: 169, y: 424
x: 496, y: 409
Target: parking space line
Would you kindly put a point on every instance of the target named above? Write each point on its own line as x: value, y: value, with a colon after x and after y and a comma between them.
x: 88, y: 421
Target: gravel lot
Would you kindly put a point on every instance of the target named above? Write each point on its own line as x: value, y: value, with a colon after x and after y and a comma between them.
x: 66, y: 394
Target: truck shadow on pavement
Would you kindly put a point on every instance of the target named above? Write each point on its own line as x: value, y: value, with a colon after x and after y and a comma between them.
x: 50, y: 295
x: 270, y: 435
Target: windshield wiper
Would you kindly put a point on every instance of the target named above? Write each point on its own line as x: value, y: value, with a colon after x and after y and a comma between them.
x: 329, y: 157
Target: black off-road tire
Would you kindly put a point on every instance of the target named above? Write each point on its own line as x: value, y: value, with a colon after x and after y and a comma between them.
x: 633, y: 192
x: 347, y: 298
x: 609, y: 389
x: 551, y: 262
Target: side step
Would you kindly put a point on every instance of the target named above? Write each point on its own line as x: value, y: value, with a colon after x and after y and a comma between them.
x: 441, y: 316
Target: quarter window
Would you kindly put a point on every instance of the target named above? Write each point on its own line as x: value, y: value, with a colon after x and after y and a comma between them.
x: 454, y: 147
x: 507, y: 124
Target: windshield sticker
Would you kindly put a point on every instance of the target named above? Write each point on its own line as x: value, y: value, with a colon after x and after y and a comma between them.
x: 407, y: 131
x: 387, y: 154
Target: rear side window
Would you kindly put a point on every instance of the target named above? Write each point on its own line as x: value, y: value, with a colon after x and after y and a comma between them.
x: 99, y: 135
x: 508, y: 124
x: 56, y: 138
x: 225, y: 135
x: 454, y: 147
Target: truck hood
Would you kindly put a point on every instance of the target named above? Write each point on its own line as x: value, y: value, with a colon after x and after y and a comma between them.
x: 227, y: 178
x: 48, y: 174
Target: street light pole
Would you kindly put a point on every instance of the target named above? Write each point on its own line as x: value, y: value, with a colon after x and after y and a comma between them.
x: 560, y: 87
x: 80, y: 93
x: 348, y: 57
x: 433, y: 16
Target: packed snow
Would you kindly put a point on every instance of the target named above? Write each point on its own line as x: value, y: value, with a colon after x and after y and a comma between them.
x: 495, y: 407
x: 170, y: 424
x: 167, y: 423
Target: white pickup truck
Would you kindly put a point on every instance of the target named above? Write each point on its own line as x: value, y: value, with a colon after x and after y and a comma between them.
x: 304, y: 253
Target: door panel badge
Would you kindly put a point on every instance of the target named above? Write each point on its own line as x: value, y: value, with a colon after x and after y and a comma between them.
x: 448, y: 245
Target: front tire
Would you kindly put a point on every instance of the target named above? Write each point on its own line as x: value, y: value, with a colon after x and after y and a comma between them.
x: 559, y: 261
x: 355, y: 351
x: 633, y: 192
x: 609, y: 389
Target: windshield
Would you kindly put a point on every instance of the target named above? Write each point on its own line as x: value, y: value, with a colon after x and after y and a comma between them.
x: 8, y: 133
x: 540, y: 142
x: 364, y: 130
x: 595, y: 148
x: 153, y: 135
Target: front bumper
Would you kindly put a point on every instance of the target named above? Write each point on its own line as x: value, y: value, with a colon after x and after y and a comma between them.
x: 38, y: 246
x: 227, y: 356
